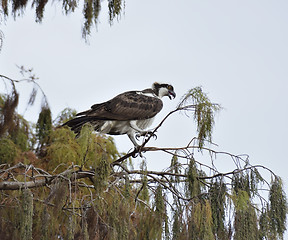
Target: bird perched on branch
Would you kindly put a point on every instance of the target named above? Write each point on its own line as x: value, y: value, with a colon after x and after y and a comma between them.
x: 128, y: 113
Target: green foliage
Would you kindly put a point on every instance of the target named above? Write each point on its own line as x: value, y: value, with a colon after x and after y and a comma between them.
x: 245, y: 222
x: 175, y: 167
x: 88, y: 150
x: 277, y: 210
x: 115, y: 9
x: 26, y: 216
x: 193, y: 185
x: 102, y: 171
x: 241, y: 200
x: 109, y: 201
x: 63, y: 148
x: 203, y: 113
x: 8, y: 104
x: 241, y: 182
x: 10, y: 214
x: 217, y: 197
x: 13, y: 125
x: 160, y: 207
x: 44, y: 126
x: 8, y: 151
x: 91, y: 10
x: 44, y: 231
x: 160, y: 213
x: 143, y: 192
x: 255, y: 180
x: 97, y: 152
x: 201, y: 222
x: 148, y: 226
x: 22, y: 134
x: 112, y: 218
x: 177, y: 226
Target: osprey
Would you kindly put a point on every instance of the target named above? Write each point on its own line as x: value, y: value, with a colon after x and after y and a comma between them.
x: 128, y: 113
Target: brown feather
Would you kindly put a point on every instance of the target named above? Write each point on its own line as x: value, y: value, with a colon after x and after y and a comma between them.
x: 126, y: 106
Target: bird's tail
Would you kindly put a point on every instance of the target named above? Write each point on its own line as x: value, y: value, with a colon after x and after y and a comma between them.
x: 77, y: 123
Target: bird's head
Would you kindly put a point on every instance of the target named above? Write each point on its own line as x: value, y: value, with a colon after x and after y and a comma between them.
x: 163, y: 89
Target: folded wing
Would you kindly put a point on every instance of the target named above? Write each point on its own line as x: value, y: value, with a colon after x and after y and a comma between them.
x: 126, y: 106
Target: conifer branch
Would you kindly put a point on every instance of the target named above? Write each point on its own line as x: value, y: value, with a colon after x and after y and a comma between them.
x: 73, y: 175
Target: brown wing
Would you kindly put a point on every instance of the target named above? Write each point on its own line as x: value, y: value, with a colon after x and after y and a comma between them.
x: 126, y: 106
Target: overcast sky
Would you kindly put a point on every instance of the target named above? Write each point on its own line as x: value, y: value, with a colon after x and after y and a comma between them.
x: 236, y: 50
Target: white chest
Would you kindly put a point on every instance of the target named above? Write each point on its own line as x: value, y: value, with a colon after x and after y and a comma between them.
x: 124, y: 127
x: 144, y: 124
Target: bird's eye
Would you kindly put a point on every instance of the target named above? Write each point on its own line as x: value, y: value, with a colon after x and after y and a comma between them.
x: 170, y: 87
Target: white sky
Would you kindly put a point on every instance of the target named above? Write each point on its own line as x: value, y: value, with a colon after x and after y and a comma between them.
x: 236, y: 50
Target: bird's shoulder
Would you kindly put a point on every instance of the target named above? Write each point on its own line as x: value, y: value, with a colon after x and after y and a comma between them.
x: 145, y: 95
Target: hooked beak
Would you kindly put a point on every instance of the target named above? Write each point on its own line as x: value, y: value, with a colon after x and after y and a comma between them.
x: 171, y: 94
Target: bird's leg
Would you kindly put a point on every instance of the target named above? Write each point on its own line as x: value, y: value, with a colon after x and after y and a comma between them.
x: 131, y: 136
x: 140, y: 132
x: 137, y: 147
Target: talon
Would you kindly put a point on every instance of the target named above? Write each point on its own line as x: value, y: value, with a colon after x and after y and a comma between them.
x: 152, y: 135
x: 137, y: 136
x: 146, y: 135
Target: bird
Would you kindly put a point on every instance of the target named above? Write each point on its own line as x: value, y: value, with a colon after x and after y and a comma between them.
x: 128, y: 113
